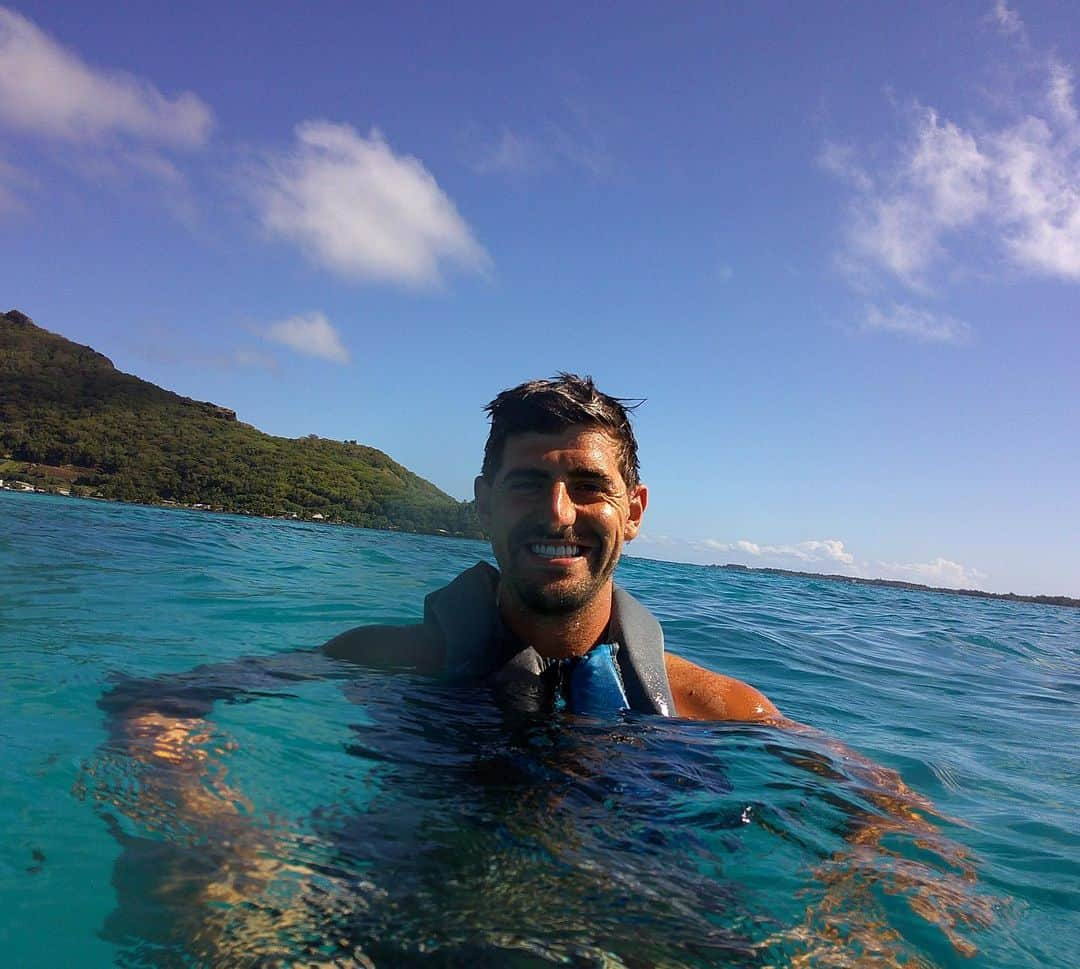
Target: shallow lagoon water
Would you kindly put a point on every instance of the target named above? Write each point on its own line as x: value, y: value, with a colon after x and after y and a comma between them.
x: 389, y: 820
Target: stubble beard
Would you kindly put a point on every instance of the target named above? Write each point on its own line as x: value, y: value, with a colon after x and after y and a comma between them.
x: 561, y: 598
x: 548, y: 601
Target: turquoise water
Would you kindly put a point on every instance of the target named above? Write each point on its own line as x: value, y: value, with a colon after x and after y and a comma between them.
x: 389, y: 820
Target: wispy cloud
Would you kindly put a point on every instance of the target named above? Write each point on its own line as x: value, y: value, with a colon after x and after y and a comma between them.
x: 509, y: 154
x: 1039, y: 170
x: 1060, y: 93
x: 830, y: 555
x: 940, y: 571
x: 571, y: 141
x: 1016, y: 183
x: 247, y: 358
x: 581, y: 146
x: 1007, y: 19
x: 825, y: 550
x: 310, y: 334
x: 50, y: 91
x: 900, y: 219
x: 159, y: 344
x: 117, y: 129
x: 840, y: 160
x: 143, y: 174
x: 949, y: 196
x: 357, y: 208
x: 10, y: 179
x: 918, y: 323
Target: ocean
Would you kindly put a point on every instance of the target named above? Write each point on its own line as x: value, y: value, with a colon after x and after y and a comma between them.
x: 321, y: 815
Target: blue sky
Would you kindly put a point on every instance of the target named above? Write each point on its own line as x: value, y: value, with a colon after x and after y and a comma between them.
x: 835, y: 246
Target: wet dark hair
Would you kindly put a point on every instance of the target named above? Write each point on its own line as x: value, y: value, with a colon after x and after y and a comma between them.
x: 547, y: 406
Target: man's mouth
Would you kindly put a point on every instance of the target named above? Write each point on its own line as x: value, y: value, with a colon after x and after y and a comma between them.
x: 547, y: 550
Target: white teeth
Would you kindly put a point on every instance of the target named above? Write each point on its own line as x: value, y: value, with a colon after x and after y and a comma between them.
x: 555, y: 551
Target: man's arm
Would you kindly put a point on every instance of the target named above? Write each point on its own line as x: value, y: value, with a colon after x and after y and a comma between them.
x: 192, y: 694
x: 159, y: 726
x: 701, y: 694
x: 160, y: 721
x: 160, y: 732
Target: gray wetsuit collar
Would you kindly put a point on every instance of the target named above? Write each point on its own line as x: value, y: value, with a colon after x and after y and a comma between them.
x: 466, y: 614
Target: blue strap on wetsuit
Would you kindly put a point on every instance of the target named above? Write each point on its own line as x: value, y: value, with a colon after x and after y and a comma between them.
x: 592, y: 684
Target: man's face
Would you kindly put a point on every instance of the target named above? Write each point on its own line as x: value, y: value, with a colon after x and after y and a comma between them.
x: 558, y: 511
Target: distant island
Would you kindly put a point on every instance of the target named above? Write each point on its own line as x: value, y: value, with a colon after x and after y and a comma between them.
x: 72, y: 424
x: 899, y: 584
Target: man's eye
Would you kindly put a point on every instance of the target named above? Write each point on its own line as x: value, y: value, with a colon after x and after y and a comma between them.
x: 590, y: 488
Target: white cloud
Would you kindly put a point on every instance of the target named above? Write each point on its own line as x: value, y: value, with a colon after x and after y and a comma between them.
x: 900, y: 220
x: 1039, y: 171
x: 357, y: 208
x: 48, y: 90
x: 840, y: 160
x: 949, y: 169
x: 310, y: 334
x: 830, y: 549
x: 893, y: 234
x: 940, y: 571
x: 1007, y: 19
x: 1007, y: 192
x: 918, y: 323
x: 825, y: 550
x: 1059, y: 93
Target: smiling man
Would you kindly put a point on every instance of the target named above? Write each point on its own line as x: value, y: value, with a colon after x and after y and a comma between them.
x: 559, y: 495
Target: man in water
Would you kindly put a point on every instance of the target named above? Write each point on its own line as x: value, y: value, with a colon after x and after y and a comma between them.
x: 559, y: 494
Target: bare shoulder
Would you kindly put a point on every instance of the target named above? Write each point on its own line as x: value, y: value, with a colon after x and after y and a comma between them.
x: 701, y: 694
x: 418, y: 647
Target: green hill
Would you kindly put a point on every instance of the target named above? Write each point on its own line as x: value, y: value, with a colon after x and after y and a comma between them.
x: 70, y: 420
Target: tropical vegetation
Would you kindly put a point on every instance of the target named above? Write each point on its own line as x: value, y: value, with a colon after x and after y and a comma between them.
x: 70, y: 421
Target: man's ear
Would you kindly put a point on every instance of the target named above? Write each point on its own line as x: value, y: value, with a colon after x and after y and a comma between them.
x: 482, y: 492
x: 639, y: 498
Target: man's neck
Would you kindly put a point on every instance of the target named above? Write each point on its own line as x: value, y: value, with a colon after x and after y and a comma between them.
x: 558, y: 636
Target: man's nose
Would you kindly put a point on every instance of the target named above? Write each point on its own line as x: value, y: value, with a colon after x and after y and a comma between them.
x: 561, y: 506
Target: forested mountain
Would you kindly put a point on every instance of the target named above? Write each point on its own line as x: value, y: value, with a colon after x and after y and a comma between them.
x: 69, y: 419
